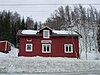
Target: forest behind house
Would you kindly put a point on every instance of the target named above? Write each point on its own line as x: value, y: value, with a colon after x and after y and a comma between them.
x: 84, y: 20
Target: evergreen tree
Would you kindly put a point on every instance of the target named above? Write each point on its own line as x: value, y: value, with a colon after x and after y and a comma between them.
x: 23, y: 25
x: 36, y: 26
x: 10, y: 23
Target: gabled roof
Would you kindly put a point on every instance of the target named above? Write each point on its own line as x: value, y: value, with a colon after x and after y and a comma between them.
x: 54, y: 32
x: 45, y: 27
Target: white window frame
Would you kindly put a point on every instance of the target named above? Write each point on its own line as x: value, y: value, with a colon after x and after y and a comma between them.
x: 68, y: 48
x: 48, y: 36
x: 46, y: 48
x: 27, y: 49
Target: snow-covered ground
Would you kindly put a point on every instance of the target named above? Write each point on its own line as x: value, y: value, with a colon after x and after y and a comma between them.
x: 46, y: 65
x: 93, y: 55
x: 11, y: 63
x: 12, y: 53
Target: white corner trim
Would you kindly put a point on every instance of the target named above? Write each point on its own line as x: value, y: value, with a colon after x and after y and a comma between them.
x: 5, y: 45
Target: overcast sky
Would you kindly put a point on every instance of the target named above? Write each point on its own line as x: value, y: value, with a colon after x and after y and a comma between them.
x: 41, y: 12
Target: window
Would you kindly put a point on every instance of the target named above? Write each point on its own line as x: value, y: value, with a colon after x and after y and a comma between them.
x: 46, y: 34
x: 68, y: 48
x: 28, y: 47
x: 46, y: 48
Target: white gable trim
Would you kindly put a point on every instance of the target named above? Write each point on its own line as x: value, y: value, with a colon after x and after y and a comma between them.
x: 45, y: 27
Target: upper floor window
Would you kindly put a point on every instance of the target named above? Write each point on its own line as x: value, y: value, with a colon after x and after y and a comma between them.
x: 68, y: 48
x: 46, y: 34
x: 28, y: 47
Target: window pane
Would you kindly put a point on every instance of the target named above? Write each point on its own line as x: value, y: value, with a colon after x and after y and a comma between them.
x: 69, y: 48
x: 45, y: 48
x: 46, y: 33
x: 28, y: 47
x: 66, y: 48
x: 48, y: 48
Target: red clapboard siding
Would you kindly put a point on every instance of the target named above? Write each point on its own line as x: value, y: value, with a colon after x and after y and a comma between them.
x: 5, y: 46
x: 57, y: 47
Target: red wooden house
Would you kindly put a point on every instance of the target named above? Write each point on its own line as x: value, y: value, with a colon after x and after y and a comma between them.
x: 47, y: 42
x: 5, y: 46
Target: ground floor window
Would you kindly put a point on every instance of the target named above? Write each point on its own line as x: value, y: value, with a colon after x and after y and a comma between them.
x: 46, y: 48
x: 68, y: 48
x: 28, y: 47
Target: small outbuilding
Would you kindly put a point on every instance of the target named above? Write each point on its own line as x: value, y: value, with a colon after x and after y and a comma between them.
x: 47, y: 42
x: 5, y: 46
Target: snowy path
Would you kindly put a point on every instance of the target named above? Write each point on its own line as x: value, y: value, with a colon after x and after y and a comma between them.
x: 79, y: 73
x: 49, y: 74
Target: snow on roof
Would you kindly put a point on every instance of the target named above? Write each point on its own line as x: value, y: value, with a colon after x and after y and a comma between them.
x: 54, y: 31
x: 29, y: 31
x: 63, y: 32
